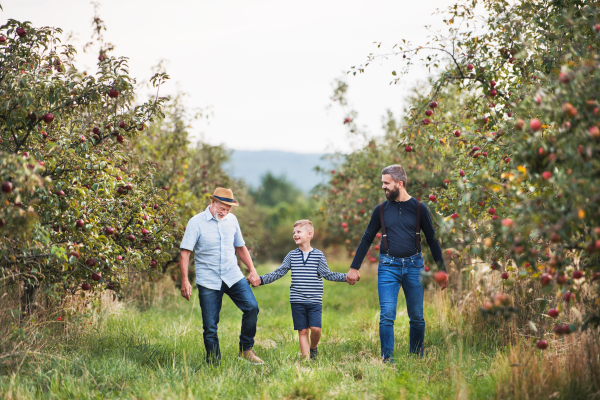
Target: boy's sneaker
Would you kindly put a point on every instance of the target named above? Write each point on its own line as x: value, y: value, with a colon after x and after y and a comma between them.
x: 314, y: 353
x: 249, y: 356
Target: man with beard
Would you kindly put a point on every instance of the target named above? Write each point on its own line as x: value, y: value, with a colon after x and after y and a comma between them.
x: 400, y: 260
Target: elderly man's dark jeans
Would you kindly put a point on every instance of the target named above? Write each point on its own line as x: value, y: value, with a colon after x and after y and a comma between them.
x: 210, y: 303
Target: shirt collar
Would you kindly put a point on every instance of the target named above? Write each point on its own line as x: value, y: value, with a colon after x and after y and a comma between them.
x: 209, y: 215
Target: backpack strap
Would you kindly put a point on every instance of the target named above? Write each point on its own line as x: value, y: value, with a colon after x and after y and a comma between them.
x: 418, y: 234
x: 383, y: 232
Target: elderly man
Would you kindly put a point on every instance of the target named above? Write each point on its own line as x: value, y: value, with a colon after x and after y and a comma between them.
x: 400, y: 220
x: 215, y: 237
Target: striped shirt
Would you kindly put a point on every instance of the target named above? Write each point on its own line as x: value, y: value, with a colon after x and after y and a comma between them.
x: 307, y: 282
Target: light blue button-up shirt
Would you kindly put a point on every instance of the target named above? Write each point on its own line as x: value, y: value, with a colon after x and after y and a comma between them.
x: 214, y: 243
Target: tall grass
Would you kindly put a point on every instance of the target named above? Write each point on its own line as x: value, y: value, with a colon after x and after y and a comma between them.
x: 150, y: 346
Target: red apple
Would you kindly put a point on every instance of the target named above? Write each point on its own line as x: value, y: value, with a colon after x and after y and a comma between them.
x: 358, y: 201
x: 597, y: 27
x: 577, y: 274
x: 156, y: 206
x: 558, y: 329
x: 493, y: 83
x: 461, y: 172
x: 446, y: 181
x: 120, y: 138
x: 542, y: 344
x: 432, y: 197
x: 563, y: 78
x: 454, y: 216
x: 457, y: 133
x: 47, y: 118
x: 594, y: 131
x: 492, y: 211
x: 86, y: 286
x: 90, y: 262
x: 60, y: 193
x: 504, y: 275
x: 493, y: 92
x: 440, y: 277
x: 111, y: 286
x: 109, y: 231
x: 7, y: 187
x: 79, y: 223
x: 145, y: 231
x: 378, y: 236
x: 347, y: 120
x: 547, y: 175
x: 120, y: 258
x: 494, y: 217
x: 470, y: 67
x: 122, y: 125
x: 519, y: 124
x: 21, y: 32
x: 566, y: 329
x: 546, y: 279
x: 567, y: 297
x: 429, y: 113
x: 131, y: 238
x: 2, y: 39
x: 433, y: 104
x: 408, y: 149
x: 426, y: 121
x: 96, y: 276
x: 507, y: 222
x: 113, y: 93
x: 553, y: 313
x: 535, y: 124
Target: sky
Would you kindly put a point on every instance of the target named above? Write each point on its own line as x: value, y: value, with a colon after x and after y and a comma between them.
x: 264, y: 68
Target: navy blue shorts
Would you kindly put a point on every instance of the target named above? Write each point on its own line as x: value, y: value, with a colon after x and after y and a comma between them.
x: 306, y: 315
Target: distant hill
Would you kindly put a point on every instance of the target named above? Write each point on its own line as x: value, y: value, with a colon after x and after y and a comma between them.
x: 297, y: 168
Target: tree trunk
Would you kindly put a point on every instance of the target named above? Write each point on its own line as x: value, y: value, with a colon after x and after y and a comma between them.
x: 29, y: 298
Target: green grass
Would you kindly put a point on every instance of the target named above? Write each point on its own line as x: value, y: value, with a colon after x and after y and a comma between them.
x: 159, y: 353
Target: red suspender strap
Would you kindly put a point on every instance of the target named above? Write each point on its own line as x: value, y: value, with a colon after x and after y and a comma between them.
x: 383, y: 233
x: 418, y: 235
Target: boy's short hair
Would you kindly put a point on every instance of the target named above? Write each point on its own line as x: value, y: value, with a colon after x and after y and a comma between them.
x: 307, y: 223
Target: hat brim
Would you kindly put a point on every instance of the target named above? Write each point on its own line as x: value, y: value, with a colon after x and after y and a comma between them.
x: 213, y: 198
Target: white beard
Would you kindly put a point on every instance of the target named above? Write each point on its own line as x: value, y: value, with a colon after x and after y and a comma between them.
x: 219, y: 219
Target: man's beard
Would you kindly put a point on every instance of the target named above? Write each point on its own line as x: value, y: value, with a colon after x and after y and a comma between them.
x: 392, y: 195
x: 219, y: 218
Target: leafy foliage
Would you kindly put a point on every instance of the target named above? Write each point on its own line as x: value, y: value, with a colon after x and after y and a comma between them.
x: 81, y: 210
x: 512, y: 125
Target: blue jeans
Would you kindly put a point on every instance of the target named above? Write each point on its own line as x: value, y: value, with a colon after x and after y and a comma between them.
x: 395, y: 272
x: 210, y: 303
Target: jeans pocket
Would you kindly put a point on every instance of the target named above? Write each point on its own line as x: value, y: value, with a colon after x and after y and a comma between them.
x: 384, y: 260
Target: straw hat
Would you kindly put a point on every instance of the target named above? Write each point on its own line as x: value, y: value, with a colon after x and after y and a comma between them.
x: 224, y: 196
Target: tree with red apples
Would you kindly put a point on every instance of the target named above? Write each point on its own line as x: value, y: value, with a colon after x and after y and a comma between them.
x: 516, y: 125
x: 65, y: 216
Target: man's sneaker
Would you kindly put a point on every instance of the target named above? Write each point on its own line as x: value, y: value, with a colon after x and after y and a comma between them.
x: 314, y: 353
x: 389, y: 361
x: 249, y: 356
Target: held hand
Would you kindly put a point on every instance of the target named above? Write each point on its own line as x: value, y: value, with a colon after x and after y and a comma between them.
x: 186, y: 289
x: 254, y: 279
x: 353, y: 276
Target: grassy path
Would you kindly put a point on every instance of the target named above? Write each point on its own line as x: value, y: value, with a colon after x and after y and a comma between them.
x: 159, y: 353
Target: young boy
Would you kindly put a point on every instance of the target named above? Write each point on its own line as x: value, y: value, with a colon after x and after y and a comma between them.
x: 308, y: 266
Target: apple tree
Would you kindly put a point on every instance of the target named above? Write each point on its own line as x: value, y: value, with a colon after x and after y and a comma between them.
x: 78, y: 211
x: 513, y: 113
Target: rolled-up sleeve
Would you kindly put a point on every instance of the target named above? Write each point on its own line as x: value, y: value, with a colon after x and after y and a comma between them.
x: 191, y: 235
x: 238, y: 239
